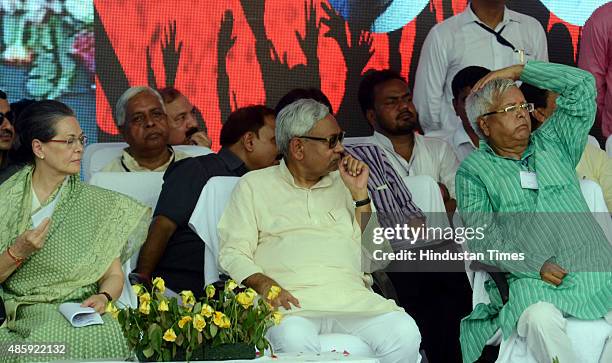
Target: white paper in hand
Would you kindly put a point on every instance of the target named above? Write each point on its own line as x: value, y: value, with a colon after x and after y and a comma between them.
x: 80, y: 316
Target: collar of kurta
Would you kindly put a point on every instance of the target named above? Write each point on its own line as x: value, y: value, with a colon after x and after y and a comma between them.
x: 484, y: 146
x: 469, y: 17
x: 286, y: 175
x: 388, y: 145
x: 130, y: 164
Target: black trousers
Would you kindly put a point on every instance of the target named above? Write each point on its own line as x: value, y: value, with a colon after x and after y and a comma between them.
x: 437, y: 301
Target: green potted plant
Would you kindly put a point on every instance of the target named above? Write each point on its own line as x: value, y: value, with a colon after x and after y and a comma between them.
x: 225, y: 324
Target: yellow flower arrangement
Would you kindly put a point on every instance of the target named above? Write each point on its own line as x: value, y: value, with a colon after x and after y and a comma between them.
x: 186, y: 328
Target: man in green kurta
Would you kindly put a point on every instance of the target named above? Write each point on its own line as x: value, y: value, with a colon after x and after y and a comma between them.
x: 523, y: 189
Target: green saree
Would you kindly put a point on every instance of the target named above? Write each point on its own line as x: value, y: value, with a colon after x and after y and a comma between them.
x: 90, y: 227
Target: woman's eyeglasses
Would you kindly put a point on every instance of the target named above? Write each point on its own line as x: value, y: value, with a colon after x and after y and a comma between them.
x: 72, y: 141
x: 332, y: 140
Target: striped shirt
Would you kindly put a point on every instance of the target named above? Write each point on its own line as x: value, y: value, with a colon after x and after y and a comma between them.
x: 488, y: 185
x: 391, y: 197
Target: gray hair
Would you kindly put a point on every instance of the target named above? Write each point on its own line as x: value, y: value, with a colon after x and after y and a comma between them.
x: 481, y: 102
x: 297, y: 119
x: 121, y: 108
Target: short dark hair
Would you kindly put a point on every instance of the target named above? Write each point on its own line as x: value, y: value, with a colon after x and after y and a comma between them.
x: 2, y: 95
x: 18, y: 107
x: 302, y: 93
x: 38, y: 121
x: 371, y: 79
x: 243, y: 120
x: 169, y: 94
x: 467, y: 77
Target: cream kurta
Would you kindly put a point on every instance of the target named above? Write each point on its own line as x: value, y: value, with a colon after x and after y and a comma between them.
x: 117, y: 164
x: 307, y: 240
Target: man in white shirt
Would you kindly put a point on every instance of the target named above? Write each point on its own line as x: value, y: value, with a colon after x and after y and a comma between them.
x: 487, y: 34
x: 386, y: 102
x: 300, y: 229
x: 464, y: 140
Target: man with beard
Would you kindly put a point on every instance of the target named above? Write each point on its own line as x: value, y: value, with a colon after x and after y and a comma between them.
x: 182, y: 120
x: 387, y: 105
x: 141, y: 115
x: 300, y: 231
x: 386, y: 102
x: 7, y: 132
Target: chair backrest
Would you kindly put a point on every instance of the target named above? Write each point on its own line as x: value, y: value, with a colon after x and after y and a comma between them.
x: 142, y: 186
x: 205, y: 218
x: 593, y: 141
x: 609, y: 146
x: 97, y: 156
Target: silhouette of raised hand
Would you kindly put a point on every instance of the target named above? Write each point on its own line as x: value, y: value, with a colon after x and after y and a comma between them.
x: 310, y: 41
x: 254, y: 13
x: 225, y: 42
x: 337, y: 27
x: 171, y: 53
x: 150, y: 72
x: 360, y: 51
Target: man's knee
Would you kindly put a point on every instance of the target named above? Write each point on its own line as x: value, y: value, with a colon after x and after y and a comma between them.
x: 540, y: 317
x: 404, y: 332
x: 295, y: 334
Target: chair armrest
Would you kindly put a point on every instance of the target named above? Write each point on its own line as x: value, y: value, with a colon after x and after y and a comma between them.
x: 498, y: 276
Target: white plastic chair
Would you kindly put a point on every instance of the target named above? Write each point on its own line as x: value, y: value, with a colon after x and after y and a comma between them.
x: 97, y: 156
x: 204, y: 220
x: 142, y: 186
x: 587, y: 336
x: 609, y: 146
x: 593, y: 141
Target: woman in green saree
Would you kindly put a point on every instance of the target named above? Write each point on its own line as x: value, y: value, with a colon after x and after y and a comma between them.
x: 61, y: 241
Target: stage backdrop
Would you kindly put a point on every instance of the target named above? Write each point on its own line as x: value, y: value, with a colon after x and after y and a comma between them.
x: 230, y: 53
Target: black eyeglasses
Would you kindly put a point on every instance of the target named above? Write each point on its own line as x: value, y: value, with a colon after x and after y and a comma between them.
x: 332, y: 140
x: 8, y: 115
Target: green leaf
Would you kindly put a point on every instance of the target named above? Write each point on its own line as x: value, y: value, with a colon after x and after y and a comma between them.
x: 148, y: 353
x: 155, y: 335
x: 213, y: 330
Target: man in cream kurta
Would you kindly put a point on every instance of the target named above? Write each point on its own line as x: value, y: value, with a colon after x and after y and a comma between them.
x: 294, y: 225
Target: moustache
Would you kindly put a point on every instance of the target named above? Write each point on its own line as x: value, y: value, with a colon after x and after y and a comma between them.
x: 404, y: 113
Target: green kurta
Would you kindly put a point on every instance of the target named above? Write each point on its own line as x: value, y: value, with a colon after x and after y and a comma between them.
x: 554, y: 220
x: 89, y: 228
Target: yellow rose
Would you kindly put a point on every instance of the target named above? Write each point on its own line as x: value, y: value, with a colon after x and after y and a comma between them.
x: 207, y: 310
x: 230, y: 285
x: 184, y: 320
x: 159, y: 284
x: 138, y: 289
x: 221, y: 320
x: 244, y: 299
x: 163, y: 306
x: 112, y: 309
x: 210, y: 291
x: 170, y: 335
x: 145, y: 307
x: 277, y: 317
x: 146, y: 297
x: 198, y: 322
x: 273, y: 292
x: 187, y: 298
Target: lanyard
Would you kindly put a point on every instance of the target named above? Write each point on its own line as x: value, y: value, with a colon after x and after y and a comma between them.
x: 500, y: 39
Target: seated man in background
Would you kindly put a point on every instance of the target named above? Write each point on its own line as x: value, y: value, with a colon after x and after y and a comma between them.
x: 141, y: 116
x: 13, y: 157
x: 464, y: 140
x: 182, y: 120
x: 300, y: 229
x: 172, y: 250
x: 594, y: 163
x: 386, y: 102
